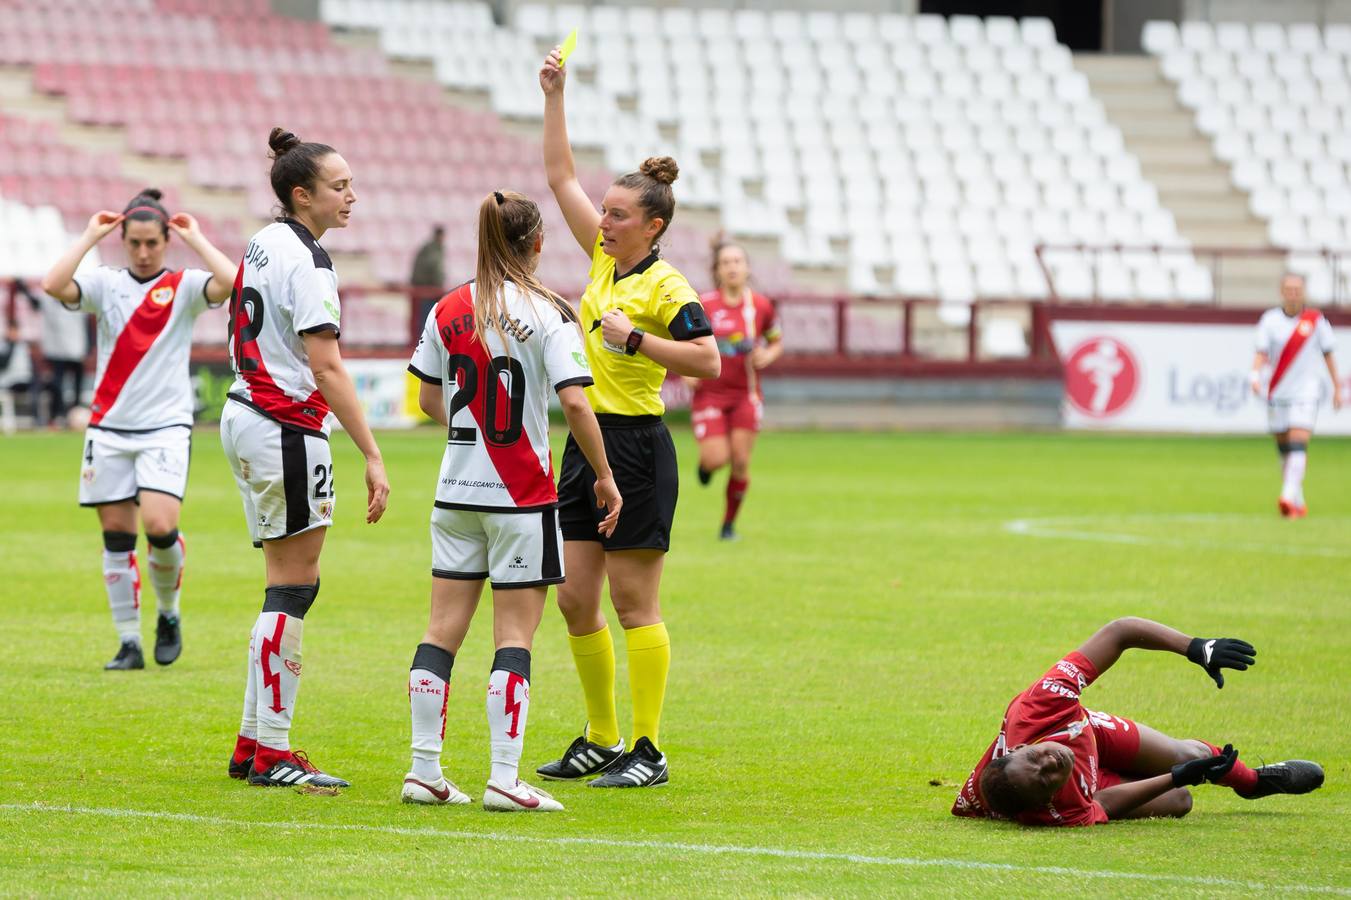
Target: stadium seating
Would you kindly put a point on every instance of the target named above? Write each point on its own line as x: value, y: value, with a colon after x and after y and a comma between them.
x: 1276, y: 102
x: 922, y: 155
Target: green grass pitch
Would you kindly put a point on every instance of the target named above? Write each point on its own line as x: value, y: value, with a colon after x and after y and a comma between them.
x: 835, y: 675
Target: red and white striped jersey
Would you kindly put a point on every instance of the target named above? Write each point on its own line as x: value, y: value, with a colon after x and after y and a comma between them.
x: 1305, y: 372
x: 285, y: 288
x: 497, y: 402
x: 144, y: 339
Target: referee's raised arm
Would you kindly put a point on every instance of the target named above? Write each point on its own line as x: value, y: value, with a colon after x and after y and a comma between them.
x: 581, y: 215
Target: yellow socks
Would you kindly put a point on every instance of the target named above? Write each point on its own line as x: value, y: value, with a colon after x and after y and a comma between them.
x: 649, y: 661
x: 594, y: 655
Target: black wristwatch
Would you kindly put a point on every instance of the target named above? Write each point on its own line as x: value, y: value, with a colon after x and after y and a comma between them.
x: 635, y: 339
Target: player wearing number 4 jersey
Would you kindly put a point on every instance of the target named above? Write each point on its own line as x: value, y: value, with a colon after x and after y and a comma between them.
x: 284, y: 326
x: 489, y: 355
x: 1057, y: 763
x: 1291, y: 338
x: 140, y: 425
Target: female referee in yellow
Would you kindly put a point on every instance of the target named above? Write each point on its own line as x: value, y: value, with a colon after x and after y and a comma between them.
x: 642, y: 319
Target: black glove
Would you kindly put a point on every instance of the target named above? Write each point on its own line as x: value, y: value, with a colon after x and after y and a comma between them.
x: 1213, y: 654
x: 1211, y: 769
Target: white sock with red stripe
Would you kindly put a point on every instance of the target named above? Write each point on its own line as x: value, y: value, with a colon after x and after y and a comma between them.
x: 508, y: 707
x: 166, y: 569
x: 428, y: 693
x: 1296, y: 461
x: 276, y: 666
x: 122, y: 578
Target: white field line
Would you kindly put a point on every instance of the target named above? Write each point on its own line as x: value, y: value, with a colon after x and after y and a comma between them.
x: 1082, y: 528
x: 681, y: 847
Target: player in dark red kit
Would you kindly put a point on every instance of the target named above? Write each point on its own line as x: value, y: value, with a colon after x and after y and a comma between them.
x: 726, y: 411
x: 1057, y: 763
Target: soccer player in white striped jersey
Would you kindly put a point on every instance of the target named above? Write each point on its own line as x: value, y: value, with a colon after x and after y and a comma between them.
x: 489, y: 355
x: 1296, y: 342
x: 284, y: 319
x: 137, y: 443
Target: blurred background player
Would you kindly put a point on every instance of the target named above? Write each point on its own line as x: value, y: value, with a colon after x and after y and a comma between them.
x: 139, y: 437
x: 642, y: 319
x: 726, y: 411
x: 1291, y: 338
x: 496, y: 512
x: 64, y: 347
x: 1057, y: 763
x: 289, y: 375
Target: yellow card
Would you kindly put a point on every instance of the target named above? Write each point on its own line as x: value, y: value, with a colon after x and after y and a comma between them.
x: 565, y: 49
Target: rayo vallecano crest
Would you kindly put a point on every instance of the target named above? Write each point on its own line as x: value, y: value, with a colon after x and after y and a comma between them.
x: 162, y: 296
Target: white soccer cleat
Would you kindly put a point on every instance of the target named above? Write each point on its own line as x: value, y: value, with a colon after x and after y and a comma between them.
x: 432, y: 793
x: 519, y: 798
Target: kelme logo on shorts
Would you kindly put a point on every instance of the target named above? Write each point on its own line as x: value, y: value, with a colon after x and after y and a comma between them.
x: 580, y: 358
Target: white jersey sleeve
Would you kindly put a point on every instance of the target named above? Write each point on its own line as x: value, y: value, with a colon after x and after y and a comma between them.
x: 314, y: 300
x: 428, y: 358
x: 93, y: 284
x: 564, y: 355
x: 1323, y: 336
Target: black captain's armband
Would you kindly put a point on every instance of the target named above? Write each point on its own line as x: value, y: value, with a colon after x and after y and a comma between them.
x: 690, y: 323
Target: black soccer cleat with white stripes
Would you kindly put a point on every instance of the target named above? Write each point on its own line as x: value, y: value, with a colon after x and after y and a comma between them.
x: 643, y: 766
x: 1294, y: 776
x: 295, y: 770
x: 582, y: 759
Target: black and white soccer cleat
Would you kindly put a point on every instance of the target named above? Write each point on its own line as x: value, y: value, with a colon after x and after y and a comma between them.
x: 1294, y: 776
x: 168, y: 639
x: 582, y: 759
x: 128, y: 656
x: 643, y: 766
x: 296, y: 770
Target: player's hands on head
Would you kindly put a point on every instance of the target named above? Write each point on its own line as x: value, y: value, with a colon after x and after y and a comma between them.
x: 1214, y: 654
x: 1212, y: 768
x: 102, y: 223
x: 607, y: 498
x: 615, y: 327
x: 377, y: 490
x: 552, y: 74
x: 184, y: 225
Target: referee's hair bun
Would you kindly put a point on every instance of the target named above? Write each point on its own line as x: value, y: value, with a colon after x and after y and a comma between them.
x: 662, y: 168
x: 281, y: 140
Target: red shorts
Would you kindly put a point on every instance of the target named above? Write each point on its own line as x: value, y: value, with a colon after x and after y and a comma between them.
x: 1118, y: 743
x: 714, y: 416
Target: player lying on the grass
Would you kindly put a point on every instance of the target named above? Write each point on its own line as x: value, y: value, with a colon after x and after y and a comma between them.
x: 1057, y: 763
x: 137, y: 444
x: 1291, y: 338
x: 496, y: 514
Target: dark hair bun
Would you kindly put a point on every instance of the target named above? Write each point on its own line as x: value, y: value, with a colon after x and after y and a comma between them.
x: 281, y: 140
x: 662, y: 168
x: 153, y: 193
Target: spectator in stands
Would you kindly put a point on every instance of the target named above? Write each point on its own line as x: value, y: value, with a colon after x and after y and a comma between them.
x: 428, y: 279
x: 726, y: 411
x: 642, y: 319
x: 65, y: 347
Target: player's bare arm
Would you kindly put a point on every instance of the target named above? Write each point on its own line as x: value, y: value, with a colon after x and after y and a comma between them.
x: 697, y: 358
x: 586, y: 432
x: 1259, y: 362
x: 59, y: 281
x: 1336, y: 382
x: 581, y: 215
x: 217, y: 263
x: 1166, y: 794
x: 1105, y: 647
x: 431, y: 400
x: 341, y: 395
x: 766, y: 356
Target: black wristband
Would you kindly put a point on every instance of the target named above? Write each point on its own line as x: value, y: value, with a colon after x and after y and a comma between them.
x: 634, y: 340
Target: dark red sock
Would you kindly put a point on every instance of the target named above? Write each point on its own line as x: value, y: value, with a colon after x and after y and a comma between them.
x: 1241, y: 778
x: 266, y: 757
x: 244, y: 748
x: 736, y: 492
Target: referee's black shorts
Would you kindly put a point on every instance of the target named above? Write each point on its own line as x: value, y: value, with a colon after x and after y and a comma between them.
x: 643, y: 459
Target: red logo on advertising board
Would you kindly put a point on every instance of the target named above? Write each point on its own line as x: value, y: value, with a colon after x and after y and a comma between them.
x: 1101, y: 376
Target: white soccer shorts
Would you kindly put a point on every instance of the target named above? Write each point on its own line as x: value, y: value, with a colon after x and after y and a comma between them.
x: 513, y: 550
x: 118, y: 465
x: 1284, y: 415
x: 285, y: 477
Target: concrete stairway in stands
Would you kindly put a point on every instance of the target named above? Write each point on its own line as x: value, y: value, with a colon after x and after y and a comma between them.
x: 1178, y: 160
